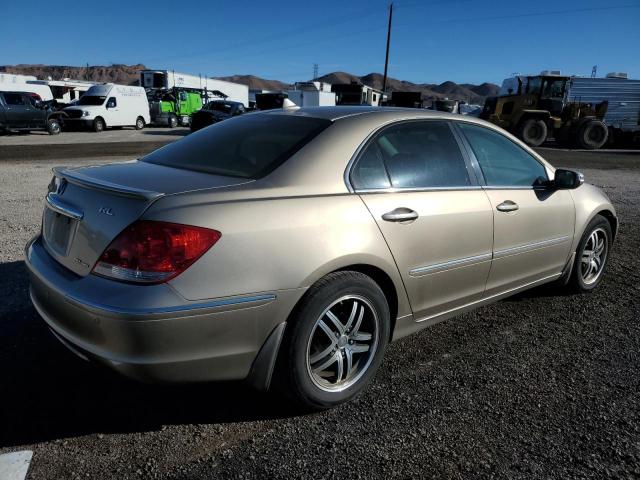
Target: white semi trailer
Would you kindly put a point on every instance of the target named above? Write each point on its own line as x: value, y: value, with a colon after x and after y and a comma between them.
x: 21, y: 83
x: 168, y: 79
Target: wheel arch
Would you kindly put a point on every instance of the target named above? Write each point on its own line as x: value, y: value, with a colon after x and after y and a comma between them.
x: 612, y: 219
x: 385, y: 283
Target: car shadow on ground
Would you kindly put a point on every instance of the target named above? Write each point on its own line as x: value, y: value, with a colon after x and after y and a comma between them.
x: 48, y: 393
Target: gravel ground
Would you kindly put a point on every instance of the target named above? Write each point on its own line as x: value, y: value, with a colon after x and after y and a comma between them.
x: 542, y: 385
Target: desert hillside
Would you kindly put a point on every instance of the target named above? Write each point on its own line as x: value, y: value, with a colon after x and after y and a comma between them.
x: 129, y: 75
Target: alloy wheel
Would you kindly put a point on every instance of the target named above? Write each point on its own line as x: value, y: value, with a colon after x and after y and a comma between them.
x: 594, y: 256
x: 342, y: 344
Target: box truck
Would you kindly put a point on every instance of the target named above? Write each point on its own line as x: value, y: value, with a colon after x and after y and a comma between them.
x: 210, y: 88
x: 110, y: 105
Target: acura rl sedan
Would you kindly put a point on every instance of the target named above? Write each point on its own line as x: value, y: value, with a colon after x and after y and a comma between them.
x: 289, y: 247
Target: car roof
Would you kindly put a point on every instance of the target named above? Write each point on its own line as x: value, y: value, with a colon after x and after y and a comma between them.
x: 344, y: 111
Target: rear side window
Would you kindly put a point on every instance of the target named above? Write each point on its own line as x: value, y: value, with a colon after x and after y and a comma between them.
x: 411, y: 155
x: 503, y: 163
x: 14, y: 99
x: 251, y: 146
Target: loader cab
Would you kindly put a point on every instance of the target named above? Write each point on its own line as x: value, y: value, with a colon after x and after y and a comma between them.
x: 551, y: 92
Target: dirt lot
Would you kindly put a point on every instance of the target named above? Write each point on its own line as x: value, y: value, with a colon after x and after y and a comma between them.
x: 543, y: 385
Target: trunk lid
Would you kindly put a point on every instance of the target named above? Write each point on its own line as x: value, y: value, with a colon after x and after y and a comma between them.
x: 92, y: 205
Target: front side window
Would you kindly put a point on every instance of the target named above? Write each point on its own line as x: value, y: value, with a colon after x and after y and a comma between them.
x: 411, y: 155
x: 503, y: 163
x: 553, y: 89
x: 111, y: 103
x: 93, y: 100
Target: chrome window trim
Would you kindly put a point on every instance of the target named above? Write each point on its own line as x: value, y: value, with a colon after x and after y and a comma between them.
x: 514, y: 187
x: 441, y: 267
x: 506, y: 252
x: 356, y: 155
x: 188, y: 309
x: 62, y: 207
x: 411, y: 189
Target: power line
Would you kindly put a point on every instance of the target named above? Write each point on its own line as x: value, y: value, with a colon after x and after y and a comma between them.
x: 533, y: 14
x: 250, y: 43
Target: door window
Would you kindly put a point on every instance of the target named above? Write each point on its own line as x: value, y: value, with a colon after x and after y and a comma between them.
x: 111, y: 103
x: 412, y: 155
x: 503, y: 163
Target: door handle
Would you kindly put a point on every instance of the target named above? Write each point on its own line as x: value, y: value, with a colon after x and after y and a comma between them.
x: 507, y: 206
x: 401, y: 214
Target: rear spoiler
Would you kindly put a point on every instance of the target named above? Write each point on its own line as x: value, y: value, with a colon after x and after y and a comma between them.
x: 79, y: 178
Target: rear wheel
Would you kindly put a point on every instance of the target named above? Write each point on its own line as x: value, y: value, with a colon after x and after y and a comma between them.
x: 336, y: 341
x: 139, y: 123
x: 592, y: 134
x: 592, y: 255
x: 98, y: 124
x: 53, y: 126
x: 173, y: 121
x: 533, y: 131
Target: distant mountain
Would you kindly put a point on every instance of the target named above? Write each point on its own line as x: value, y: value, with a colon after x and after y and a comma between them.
x: 123, y: 74
x: 129, y: 75
x: 468, y: 92
x: 256, y: 83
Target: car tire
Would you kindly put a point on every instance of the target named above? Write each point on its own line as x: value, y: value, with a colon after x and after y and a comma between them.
x: 139, y: 123
x: 583, y: 277
x: 533, y: 132
x: 335, y: 341
x: 53, y: 126
x: 592, y: 135
x: 99, y: 125
x: 173, y: 121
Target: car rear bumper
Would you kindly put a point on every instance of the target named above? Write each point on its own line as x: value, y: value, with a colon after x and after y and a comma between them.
x: 150, y: 332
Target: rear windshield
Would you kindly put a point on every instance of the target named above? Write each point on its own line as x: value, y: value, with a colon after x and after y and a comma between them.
x: 250, y: 146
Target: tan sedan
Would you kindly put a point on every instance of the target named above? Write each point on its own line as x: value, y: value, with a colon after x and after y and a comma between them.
x: 293, y: 245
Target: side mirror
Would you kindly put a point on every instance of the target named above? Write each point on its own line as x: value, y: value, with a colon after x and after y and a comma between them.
x: 567, y: 179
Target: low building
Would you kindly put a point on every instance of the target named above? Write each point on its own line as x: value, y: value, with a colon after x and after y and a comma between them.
x: 355, y: 93
x: 312, y: 94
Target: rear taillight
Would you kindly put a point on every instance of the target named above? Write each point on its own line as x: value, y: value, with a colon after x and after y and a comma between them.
x: 152, y: 252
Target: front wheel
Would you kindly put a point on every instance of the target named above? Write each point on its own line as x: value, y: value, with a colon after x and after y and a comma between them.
x: 533, y: 132
x: 173, y: 121
x: 98, y: 125
x: 139, y: 123
x: 592, y: 255
x: 53, y: 126
x: 337, y: 338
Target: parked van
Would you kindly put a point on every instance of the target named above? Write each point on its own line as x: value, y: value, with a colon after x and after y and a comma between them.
x: 110, y: 105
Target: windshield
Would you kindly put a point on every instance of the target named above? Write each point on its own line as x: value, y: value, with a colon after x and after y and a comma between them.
x: 219, y: 107
x: 250, y: 146
x: 91, y: 100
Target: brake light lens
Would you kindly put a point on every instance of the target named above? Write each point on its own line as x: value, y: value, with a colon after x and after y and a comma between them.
x: 153, y: 252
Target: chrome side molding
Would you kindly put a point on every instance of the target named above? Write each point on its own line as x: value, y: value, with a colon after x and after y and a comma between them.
x: 441, y: 267
x: 530, y: 246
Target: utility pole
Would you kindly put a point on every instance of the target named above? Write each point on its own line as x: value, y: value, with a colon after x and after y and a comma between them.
x: 315, y: 71
x: 386, y: 59
x: 594, y: 71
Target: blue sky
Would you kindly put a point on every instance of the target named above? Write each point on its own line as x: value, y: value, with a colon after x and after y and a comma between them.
x: 433, y: 40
